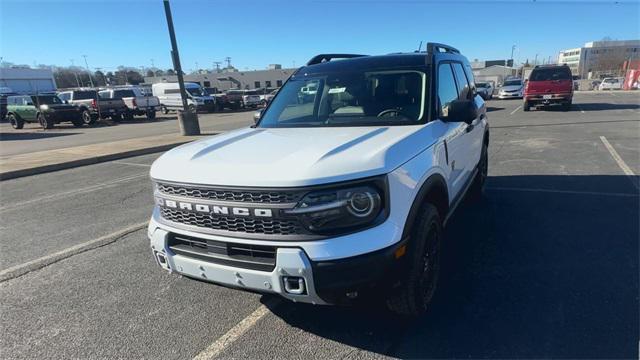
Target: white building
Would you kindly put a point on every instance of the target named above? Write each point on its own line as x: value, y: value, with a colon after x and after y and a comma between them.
x: 585, y: 62
x: 27, y: 81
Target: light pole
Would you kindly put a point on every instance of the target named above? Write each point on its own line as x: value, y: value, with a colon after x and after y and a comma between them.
x: 188, y: 120
x: 89, y: 71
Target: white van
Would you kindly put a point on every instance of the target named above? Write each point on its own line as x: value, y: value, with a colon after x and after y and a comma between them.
x: 614, y: 83
x: 169, y: 95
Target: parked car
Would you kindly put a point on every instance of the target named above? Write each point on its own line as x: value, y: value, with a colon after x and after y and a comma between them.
x: 511, y: 89
x: 235, y: 99
x: 266, y: 99
x: 135, y: 101
x: 4, y: 93
x: 45, y: 109
x: 251, y: 99
x: 341, y: 198
x: 219, y: 98
x: 92, y: 106
x: 485, y: 90
x: 611, y: 83
x: 549, y: 85
x: 170, y: 99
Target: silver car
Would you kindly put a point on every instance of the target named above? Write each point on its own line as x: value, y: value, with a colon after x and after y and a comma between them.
x: 511, y: 89
x: 485, y: 90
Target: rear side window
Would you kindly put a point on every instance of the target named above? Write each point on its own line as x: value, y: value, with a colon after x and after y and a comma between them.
x: 550, y: 74
x: 447, y: 90
x: 463, y: 84
x: 84, y: 95
x: 119, y: 94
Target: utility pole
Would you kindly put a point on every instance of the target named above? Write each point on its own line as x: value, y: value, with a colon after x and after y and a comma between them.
x: 152, y: 64
x: 188, y: 120
x: 535, y: 61
x: 228, y: 60
x: 89, y: 71
x: 217, y: 65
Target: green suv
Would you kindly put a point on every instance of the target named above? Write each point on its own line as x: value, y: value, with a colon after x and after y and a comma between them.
x: 47, y: 110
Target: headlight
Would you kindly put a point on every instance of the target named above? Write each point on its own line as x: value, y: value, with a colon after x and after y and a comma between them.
x: 44, y: 107
x: 339, y: 210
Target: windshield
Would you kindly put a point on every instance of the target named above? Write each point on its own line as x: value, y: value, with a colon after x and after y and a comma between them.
x: 512, y: 82
x: 47, y: 99
x: 350, y: 99
x: 196, y: 91
x: 119, y: 94
x: 550, y: 74
x: 482, y: 85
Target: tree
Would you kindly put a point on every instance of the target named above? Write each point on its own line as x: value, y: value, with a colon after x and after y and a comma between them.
x: 99, y: 78
x: 134, y: 77
x: 170, y: 72
x: 609, y: 60
x: 150, y: 73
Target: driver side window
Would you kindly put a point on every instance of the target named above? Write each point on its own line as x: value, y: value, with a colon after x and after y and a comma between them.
x: 447, y: 90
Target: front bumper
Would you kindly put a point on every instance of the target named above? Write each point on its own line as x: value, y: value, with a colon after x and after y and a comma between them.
x: 515, y: 95
x: 324, y: 281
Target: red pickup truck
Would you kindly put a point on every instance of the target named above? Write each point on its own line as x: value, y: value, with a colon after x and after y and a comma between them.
x: 549, y: 85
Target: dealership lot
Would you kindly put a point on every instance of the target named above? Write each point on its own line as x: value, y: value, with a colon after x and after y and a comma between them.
x: 545, y: 266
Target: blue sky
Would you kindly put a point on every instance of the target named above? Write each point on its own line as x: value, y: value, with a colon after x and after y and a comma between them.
x: 257, y: 33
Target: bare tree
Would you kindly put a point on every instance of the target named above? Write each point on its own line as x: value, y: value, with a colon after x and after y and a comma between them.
x: 610, y: 60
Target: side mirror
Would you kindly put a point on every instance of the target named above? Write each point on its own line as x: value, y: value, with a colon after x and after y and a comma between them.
x: 257, y: 115
x: 66, y: 102
x: 462, y: 111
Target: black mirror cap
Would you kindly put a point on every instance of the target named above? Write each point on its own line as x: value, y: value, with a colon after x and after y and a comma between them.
x: 462, y: 111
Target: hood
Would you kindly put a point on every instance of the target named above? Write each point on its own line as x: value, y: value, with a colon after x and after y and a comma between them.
x: 511, y: 87
x: 282, y: 157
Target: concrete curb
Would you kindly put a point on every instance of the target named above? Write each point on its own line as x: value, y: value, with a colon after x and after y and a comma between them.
x: 88, y: 161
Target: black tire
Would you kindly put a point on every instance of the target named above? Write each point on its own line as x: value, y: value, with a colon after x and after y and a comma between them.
x: 16, y: 122
x: 526, y: 106
x: 151, y: 115
x: 87, y: 118
x: 116, y: 118
x: 192, y: 108
x: 566, y: 106
x: 77, y: 122
x: 416, y: 292
x: 128, y: 116
x: 44, y: 122
x: 476, y: 191
x: 164, y: 110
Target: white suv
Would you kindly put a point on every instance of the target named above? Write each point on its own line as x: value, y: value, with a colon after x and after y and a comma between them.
x: 332, y: 196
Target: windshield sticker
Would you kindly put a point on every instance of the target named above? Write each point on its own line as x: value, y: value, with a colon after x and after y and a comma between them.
x: 337, y: 90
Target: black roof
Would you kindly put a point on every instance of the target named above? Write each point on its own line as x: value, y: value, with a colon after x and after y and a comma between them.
x: 367, y: 62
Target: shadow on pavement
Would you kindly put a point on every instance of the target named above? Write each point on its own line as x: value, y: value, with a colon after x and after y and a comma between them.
x: 605, y: 106
x: 492, y: 108
x: 11, y: 136
x: 525, y: 273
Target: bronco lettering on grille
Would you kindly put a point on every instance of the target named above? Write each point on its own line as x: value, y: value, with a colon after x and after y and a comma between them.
x: 214, y: 209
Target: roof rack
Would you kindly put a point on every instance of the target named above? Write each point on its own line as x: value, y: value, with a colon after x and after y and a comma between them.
x: 435, y: 47
x: 328, y: 57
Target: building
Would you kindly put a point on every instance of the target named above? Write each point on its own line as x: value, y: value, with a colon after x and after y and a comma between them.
x: 496, y: 74
x: 274, y: 77
x: 27, y: 81
x: 475, y: 65
x: 599, y: 59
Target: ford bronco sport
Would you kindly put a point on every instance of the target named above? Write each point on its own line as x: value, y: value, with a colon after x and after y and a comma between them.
x: 332, y: 196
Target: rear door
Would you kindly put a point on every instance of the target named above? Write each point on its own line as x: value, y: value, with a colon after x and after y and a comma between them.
x: 28, y: 109
x: 552, y: 80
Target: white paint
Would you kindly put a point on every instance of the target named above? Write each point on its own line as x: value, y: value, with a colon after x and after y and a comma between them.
x: 87, y: 189
x: 132, y: 164
x: 625, y: 168
x: 580, y: 107
x: 514, y: 111
x: 21, y: 269
x: 232, y: 335
x: 596, y: 193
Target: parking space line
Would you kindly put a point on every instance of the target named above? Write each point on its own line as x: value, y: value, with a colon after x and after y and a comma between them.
x: 514, y: 111
x: 87, y: 189
x: 571, y: 192
x: 233, y: 334
x: 625, y: 168
x: 132, y: 164
x: 24, y: 268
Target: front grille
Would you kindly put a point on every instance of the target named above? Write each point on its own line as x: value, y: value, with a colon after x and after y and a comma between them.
x: 255, y: 257
x: 234, y: 224
x: 264, y: 197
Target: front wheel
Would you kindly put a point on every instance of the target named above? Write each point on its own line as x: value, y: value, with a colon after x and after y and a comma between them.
x: 415, y: 294
x: 164, y: 110
x: 192, y: 109
x: 87, y: 118
x: 128, y: 116
x: 16, y: 122
x: 116, y: 118
x: 151, y: 115
x: 526, y: 106
x: 44, y: 122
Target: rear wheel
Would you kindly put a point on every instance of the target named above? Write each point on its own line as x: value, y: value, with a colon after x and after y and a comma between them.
x: 116, y: 118
x: 44, y: 122
x: 566, y: 106
x: 192, y: 108
x: 415, y: 293
x: 16, y: 122
x: 87, y: 118
x: 526, y: 106
x: 151, y: 115
x: 164, y: 110
x: 128, y: 116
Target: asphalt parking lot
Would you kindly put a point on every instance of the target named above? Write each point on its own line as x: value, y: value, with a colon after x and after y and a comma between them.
x: 546, y: 266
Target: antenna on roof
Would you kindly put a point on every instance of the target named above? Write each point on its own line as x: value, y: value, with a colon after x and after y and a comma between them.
x: 419, y: 46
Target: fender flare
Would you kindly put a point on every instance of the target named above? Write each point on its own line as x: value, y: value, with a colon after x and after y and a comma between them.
x: 435, y: 187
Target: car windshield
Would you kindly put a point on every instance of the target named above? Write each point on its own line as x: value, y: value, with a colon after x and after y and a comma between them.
x: 512, y: 82
x: 550, y: 74
x: 84, y: 95
x: 482, y: 85
x: 394, y: 97
x: 119, y: 94
x: 252, y: 92
x: 195, y: 91
x: 47, y: 99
